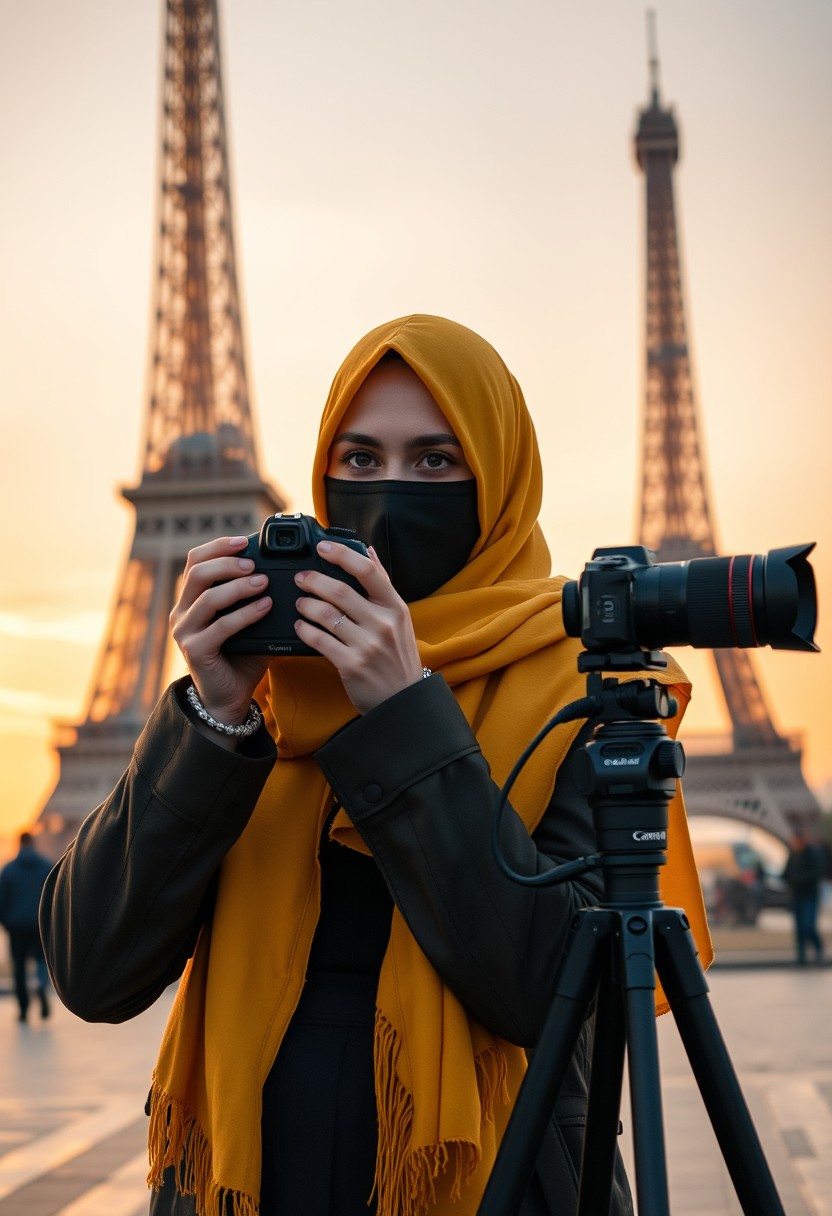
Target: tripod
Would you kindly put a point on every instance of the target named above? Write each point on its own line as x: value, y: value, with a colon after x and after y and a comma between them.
x: 613, y: 954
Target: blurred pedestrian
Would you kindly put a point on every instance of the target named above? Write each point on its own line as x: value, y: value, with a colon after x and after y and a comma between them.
x: 825, y: 850
x: 802, y: 875
x: 21, y: 883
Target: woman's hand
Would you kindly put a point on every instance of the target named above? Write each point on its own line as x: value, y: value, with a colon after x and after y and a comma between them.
x: 370, y: 641
x: 215, y: 578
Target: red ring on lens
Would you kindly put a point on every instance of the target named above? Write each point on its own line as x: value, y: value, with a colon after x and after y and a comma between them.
x: 731, y: 600
x: 751, y: 600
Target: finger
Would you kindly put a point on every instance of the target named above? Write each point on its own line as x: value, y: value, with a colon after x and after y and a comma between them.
x: 357, y: 564
x: 213, y: 572
x: 367, y: 570
x: 325, y: 600
x: 199, y: 640
x: 218, y: 547
x: 218, y: 599
x: 326, y: 587
x: 377, y: 561
x: 326, y: 615
x: 322, y: 641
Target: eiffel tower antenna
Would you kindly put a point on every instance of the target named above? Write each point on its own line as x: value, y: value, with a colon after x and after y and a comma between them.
x: 200, y: 476
x: 758, y: 778
x: 653, y: 51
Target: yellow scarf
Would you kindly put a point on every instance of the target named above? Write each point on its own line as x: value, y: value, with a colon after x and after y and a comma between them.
x: 445, y: 1085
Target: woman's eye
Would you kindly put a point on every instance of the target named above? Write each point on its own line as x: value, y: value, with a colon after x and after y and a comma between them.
x: 359, y: 460
x: 437, y: 460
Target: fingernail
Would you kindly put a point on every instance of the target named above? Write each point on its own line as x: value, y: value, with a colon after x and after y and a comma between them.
x: 300, y: 577
x: 238, y: 540
x: 324, y: 546
x: 245, y: 563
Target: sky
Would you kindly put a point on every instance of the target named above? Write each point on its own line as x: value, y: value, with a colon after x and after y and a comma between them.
x: 468, y: 159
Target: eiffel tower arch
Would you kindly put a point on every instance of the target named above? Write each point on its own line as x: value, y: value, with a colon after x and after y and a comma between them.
x: 757, y: 777
x: 200, y: 477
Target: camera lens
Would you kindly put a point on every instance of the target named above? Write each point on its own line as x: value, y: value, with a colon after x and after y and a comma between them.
x: 724, y: 602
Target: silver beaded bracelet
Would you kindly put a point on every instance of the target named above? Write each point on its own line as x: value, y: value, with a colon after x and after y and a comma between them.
x: 251, y: 724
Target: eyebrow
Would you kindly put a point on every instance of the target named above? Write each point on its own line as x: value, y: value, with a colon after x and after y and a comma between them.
x: 419, y: 441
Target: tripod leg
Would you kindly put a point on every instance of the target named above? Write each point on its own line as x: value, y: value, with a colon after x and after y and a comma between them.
x: 637, y: 966
x: 575, y: 986
x: 687, y: 991
x: 646, y: 1104
x: 604, y: 1108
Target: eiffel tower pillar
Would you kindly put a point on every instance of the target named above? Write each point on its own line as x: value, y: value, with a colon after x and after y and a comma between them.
x: 200, y: 476
x: 758, y: 778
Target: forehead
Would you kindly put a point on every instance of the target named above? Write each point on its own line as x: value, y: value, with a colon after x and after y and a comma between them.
x: 392, y: 400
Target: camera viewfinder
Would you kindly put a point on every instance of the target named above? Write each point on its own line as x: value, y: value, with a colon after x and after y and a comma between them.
x: 284, y: 538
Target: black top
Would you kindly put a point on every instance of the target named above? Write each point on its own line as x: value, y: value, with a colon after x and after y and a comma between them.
x: 319, y: 1122
x: 356, y: 907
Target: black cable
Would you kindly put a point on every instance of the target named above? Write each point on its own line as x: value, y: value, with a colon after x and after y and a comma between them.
x: 586, y: 707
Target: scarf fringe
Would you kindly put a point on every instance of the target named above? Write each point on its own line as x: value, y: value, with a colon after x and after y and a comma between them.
x: 176, y: 1139
x: 492, y: 1079
x: 405, y: 1179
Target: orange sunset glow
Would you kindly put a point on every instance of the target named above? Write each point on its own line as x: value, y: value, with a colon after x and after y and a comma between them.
x: 474, y: 161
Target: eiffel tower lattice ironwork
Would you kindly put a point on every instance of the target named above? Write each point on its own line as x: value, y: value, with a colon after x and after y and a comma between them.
x: 757, y: 779
x: 200, y: 476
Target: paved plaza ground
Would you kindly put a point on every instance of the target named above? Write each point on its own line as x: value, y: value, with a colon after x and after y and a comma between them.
x: 72, y: 1126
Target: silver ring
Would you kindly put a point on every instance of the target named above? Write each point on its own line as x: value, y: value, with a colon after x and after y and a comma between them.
x: 335, y: 624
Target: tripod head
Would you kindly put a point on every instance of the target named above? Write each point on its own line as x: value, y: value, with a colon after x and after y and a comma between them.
x: 628, y: 772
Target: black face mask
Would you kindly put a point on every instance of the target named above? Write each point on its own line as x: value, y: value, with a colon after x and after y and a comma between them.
x: 423, y: 532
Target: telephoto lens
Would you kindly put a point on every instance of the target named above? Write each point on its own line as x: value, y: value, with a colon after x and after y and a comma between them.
x: 624, y: 599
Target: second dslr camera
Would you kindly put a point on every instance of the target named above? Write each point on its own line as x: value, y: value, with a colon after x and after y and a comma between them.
x: 284, y: 545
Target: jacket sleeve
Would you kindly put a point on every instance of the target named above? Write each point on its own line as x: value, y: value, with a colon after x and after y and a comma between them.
x: 413, y: 780
x: 121, y: 911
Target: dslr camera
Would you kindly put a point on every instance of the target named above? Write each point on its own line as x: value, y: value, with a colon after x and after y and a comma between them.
x: 284, y: 545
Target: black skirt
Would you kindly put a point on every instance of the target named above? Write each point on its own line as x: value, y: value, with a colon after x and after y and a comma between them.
x: 319, y: 1111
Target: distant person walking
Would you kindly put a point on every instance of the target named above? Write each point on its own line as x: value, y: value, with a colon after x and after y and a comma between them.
x: 803, y: 875
x: 21, y: 883
x: 825, y: 850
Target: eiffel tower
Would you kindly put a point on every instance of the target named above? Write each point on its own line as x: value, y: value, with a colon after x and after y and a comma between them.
x: 757, y: 779
x: 200, y: 475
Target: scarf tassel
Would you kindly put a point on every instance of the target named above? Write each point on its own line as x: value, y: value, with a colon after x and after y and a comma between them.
x: 176, y: 1139
x: 492, y: 1079
x: 405, y: 1179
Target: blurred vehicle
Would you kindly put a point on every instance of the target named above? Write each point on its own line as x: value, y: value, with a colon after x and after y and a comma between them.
x: 736, y: 883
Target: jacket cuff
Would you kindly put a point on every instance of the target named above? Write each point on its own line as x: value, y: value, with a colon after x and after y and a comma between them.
x: 190, y: 773
x: 374, y: 759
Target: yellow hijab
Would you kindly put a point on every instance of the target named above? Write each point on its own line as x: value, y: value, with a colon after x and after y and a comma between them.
x: 445, y: 1085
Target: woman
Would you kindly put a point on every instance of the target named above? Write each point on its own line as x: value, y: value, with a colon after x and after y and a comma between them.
x: 362, y: 979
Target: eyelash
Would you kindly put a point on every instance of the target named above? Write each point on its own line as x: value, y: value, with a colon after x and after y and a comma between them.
x: 348, y: 459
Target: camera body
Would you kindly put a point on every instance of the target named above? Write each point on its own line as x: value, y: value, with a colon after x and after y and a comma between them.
x: 284, y: 545
x: 625, y: 600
